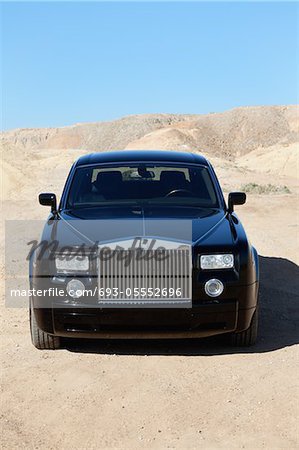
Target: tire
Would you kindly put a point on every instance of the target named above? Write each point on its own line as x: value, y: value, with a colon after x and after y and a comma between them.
x: 40, y: 339
x: 248, y: 337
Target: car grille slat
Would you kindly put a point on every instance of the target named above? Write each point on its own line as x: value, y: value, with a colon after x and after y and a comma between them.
x: 145, y: 270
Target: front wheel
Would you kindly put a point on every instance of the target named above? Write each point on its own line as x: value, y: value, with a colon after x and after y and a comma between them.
x: 40, y: 339
x: 248, y: 337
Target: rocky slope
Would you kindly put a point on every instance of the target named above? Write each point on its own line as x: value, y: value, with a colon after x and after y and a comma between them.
x: 232, y: 133
x: 260, y: 139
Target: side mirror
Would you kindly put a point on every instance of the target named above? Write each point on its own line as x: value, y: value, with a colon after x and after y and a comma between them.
x: 48, y: 199
x: 235, y: 198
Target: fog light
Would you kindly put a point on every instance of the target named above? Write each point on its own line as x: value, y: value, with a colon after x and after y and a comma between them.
x: 75, y: 288
x: 214, y: 287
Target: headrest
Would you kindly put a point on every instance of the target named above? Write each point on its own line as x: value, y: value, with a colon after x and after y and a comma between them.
x: 172, y: 177
x: 108, y: 178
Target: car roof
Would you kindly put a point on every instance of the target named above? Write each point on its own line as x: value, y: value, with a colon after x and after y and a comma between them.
x: 141, y: 155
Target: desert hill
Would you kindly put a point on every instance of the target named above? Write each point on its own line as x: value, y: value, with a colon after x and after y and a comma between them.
x: 232, y: 133
x: 251, y: 139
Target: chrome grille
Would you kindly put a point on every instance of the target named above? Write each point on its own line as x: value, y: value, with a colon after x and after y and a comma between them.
x: 147, y: 269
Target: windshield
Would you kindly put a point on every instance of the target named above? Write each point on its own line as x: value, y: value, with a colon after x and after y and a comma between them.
x: 140, y: 183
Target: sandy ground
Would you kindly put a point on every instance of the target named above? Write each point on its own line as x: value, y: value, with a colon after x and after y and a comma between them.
x: 169, y: 394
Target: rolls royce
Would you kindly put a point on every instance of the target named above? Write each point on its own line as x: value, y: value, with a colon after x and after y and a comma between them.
x: 143, y: 245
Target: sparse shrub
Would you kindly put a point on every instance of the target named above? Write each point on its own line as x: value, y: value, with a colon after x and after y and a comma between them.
x: 255, y: 188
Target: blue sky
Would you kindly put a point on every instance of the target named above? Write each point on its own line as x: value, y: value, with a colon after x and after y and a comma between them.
x: 65, y: 63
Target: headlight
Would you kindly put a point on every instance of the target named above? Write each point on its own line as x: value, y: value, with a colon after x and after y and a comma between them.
x: 72, y: 263
x: 210, y: 262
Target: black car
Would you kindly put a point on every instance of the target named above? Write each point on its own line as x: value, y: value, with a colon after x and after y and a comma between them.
x: 143, y: 245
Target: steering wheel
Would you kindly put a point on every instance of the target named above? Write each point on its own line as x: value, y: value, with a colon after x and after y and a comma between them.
x: 174, y: 193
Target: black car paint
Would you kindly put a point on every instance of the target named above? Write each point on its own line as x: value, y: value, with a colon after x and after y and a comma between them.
x: 213, y: 231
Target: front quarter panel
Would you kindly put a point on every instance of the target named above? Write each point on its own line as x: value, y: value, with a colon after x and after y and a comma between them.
x: 241, y: 282
x: 249, y: 271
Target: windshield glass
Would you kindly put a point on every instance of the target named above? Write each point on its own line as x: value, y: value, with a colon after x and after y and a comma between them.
x: 142, y: 183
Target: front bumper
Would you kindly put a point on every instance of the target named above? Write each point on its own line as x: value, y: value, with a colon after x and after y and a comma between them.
x: 199, y: 321
x: 231, y: 312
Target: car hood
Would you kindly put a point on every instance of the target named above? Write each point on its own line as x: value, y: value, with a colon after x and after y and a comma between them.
x: 106, y: 224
